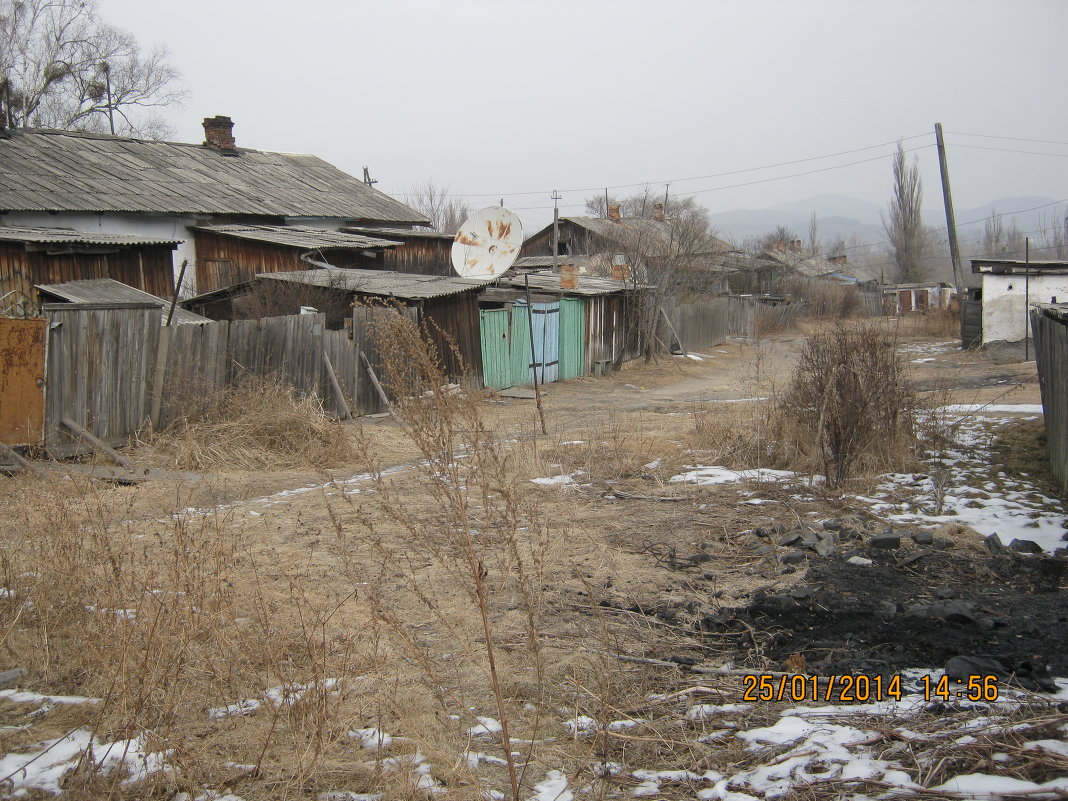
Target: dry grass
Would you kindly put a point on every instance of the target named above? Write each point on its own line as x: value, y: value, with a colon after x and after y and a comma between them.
x: 254, y: 423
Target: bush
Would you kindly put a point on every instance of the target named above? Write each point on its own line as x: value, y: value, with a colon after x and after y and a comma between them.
x: 849, y: 403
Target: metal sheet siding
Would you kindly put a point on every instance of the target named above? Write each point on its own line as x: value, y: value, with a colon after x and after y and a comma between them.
x: 572, y: 338
x: 496, y: 348
x: 520, y: 340
x: 22, y: 373
x: 546, y: 342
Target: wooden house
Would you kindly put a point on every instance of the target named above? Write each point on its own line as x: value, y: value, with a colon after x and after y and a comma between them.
x: 164, y: 191
x: 652, y: 251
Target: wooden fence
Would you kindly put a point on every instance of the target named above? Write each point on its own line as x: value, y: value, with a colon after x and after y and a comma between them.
x: 112, y: 369
x: 200, y: 359
x: 1049, y: 328
x: 697, y: 325
x: 100, y: 364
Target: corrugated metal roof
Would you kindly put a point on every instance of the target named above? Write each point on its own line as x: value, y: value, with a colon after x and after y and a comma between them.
x: 547, y: 261
x: 550, y: 282
x: 385, y: 283
x: 405, y: 233
x: 48, y: 236
x: 67, y: 171
x: 298, y: 236
x: 108, y: 290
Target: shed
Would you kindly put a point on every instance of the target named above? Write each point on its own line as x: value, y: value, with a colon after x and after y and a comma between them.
x: 30, y: 257
x: 447, y: 309
x: 109, y: 291
x: 1009, y: 286
x: 583, y: 329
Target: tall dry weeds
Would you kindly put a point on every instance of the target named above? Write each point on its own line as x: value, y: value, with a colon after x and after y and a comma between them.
x: 475, y: 553
x: 252, y: 423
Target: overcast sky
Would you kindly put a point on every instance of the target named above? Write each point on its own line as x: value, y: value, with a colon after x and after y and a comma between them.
x: 503, y: 97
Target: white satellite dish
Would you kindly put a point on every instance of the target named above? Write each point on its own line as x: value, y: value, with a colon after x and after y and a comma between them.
x: 487, y: 243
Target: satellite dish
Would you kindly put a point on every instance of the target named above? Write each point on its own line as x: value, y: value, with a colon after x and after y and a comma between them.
x: 487, y: 243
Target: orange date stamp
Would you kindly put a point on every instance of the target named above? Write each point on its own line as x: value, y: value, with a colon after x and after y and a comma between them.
x: 861, y: 688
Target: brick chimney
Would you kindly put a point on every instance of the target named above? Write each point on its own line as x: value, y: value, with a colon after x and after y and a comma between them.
x: 219, y: 134
x: 613, y: 212
x: 658, y: 212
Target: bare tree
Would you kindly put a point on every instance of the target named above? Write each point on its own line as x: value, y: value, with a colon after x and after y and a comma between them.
x: 446, y: 211
x: 62, y: 67
x: 813, y: 235
x: 904, y: 226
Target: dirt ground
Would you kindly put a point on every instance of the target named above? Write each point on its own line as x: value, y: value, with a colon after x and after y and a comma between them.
x: 619, y: 560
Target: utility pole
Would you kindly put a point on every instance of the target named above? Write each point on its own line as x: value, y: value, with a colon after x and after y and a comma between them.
x: 556, y: 196
x: 367, y: 179
x: 951, y: 222
x: 106, y: 69
x: 1027, y: 298
x: 666, y: 188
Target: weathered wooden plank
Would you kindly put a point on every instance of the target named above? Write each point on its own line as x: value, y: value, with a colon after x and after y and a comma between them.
x: 95, y: 442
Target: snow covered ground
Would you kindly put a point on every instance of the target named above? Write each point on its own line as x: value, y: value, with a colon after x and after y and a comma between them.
x: 960, y: 486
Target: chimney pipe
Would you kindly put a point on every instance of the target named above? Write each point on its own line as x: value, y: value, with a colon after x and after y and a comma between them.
x: 219, y: 133
x: 658, y: 212
x: 613, y: 212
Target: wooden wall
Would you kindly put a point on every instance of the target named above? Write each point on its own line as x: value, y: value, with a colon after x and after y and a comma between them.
x: 148, y: 268
x: 419, y: 255
x: 460, y: 350
x: 225, y: 260
x: 1050, y: 331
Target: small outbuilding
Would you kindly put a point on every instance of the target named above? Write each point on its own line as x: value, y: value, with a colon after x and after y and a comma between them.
x: 1009, y: 288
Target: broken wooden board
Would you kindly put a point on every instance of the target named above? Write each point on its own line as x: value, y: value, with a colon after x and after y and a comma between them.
x: 121, y: 475
x: 519, y: 393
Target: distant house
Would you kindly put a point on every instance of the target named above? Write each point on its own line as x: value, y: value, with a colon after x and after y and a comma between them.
x: 901, y: 299
x: 636, y: 248
x: 163, y: 191
x: 1009, y: 287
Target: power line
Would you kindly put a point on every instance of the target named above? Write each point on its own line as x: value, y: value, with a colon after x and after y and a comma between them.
x: 705, y: 177
x: 760, y: 180
x: 1009, y: 150
x: 1010, y: 138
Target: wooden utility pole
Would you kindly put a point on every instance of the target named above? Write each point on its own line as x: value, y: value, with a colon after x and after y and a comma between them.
x: 556, y: 230
x: 951, y: 222
x: 1027, y: 298
x: 533, y: 355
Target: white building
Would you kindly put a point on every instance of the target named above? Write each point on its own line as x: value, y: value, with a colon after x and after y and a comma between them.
x: 1009, y: 287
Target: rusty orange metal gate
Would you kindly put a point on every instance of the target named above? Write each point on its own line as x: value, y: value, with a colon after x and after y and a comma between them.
x: 22, y: 379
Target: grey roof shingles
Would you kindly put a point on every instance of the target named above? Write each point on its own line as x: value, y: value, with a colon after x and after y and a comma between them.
x: 44, y: 170
x: 58, y: 236
x: 384, y: 283
x: 297, y: 236
x: 108, y: 290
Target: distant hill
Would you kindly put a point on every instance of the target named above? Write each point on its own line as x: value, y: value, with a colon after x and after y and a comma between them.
x: 840, y: 215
